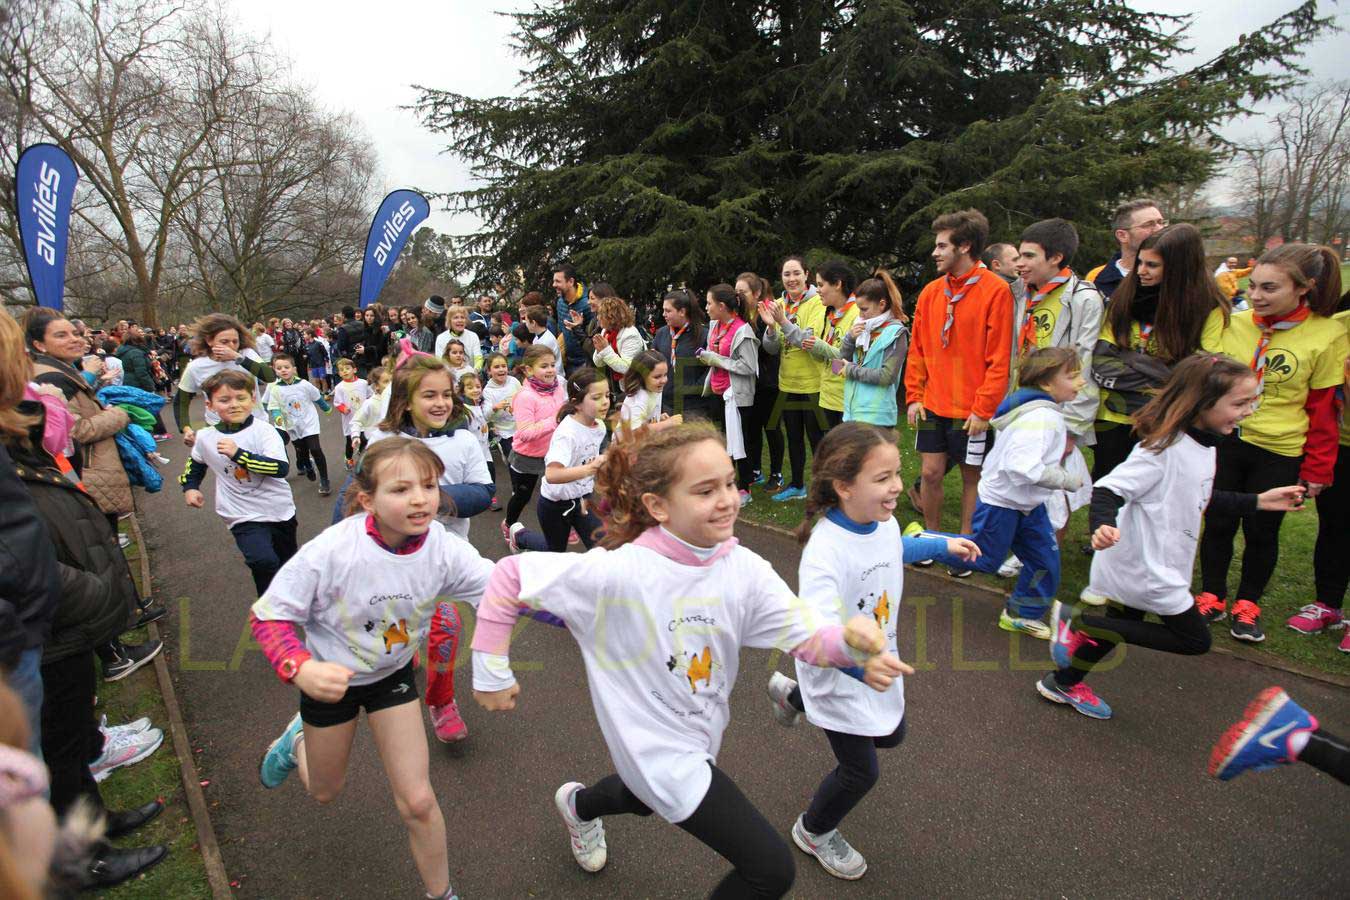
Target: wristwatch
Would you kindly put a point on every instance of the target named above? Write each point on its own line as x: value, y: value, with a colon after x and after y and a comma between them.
x: 290, y: 667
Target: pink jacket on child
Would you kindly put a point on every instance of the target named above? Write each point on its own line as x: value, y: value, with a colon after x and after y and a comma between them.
x: 536, y: 417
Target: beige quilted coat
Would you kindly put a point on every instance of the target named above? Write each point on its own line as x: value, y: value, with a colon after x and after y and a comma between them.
x: 101, y: 467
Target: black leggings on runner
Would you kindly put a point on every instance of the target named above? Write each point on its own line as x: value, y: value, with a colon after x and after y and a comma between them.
x: 856, y: 774
x: 1185, y: 633
x: 307, y: 448
x: 726, y: 821
x: 1331, y: 553
x: 1250, y: 469
x: 522, y: 487
x: 351, y: 444
x: 800, y: 414
x: 1114, y: 443
x: 557, y: 519
x: 1329, y: 753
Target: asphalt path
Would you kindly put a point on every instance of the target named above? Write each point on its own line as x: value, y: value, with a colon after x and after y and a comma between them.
x: 994, y: 792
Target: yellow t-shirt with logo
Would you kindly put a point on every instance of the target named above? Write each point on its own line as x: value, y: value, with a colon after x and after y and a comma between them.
x: 1307, y: 357
x: 832, y: 385
x: 1045, y: 314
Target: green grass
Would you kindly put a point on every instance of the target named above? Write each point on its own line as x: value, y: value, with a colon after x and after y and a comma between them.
x: 182, y: 874
x: 1290, y: 588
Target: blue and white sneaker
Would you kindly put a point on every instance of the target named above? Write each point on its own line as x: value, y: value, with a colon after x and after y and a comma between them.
x: 279, y: 760
x: 1080, y: 697
x: 1261, y: 739
x: 789, y: 493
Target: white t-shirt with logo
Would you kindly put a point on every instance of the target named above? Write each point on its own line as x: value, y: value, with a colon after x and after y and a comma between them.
x: 661, y: 644
x: 241, y: 495
x: 1165, y: 498
x: 464, y: 464
x: 201, y: 368
x: 367, y: 608
x: 353, y: 393
x: 501, y: 421
x: 295, y: 401
x: 572, y: 444
x: 641, y: 407
x: 844, y: 574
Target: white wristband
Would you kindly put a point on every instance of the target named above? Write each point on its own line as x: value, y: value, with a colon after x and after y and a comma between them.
x: 491, y: 672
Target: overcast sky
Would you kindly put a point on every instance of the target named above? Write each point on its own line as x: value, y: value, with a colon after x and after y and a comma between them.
x: 364, y: 58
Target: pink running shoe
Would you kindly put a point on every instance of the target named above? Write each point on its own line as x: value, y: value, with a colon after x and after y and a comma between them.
x: 1316, y: 618
x: 450, y: 728
x: 573, y: 537
x: 1345, y: 642
x: 506, y: 532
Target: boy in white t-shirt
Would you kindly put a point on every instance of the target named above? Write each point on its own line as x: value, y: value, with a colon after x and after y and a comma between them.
x: 348, y: 397
x: 249, y: 461
x: 293, y: 404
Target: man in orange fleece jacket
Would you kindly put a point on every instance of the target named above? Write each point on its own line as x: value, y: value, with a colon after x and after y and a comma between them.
x: 957, y: 372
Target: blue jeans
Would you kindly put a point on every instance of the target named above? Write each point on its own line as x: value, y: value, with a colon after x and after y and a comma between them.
x: 26, y: 680
x: 997, y: 530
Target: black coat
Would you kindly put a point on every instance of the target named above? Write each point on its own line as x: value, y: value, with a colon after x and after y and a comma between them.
x: 30, y: 586
x: 98, y: 595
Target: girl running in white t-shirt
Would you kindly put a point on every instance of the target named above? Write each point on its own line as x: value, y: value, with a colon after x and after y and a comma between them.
x: 365, y: 590
x: 853, y: 563
x: 1145, y: 519
x: 642, y: 386
x: 660, y: 614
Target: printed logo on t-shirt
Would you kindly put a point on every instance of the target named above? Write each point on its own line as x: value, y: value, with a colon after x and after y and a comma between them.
x: 1281, y: 366
x: 694, y: 668
x: 1045, y: 324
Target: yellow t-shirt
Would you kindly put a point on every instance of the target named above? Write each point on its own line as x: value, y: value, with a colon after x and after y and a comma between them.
x: 1306, y: 357
x: 832, y: 385
x: 800, y: 372
x: 1344, y: 318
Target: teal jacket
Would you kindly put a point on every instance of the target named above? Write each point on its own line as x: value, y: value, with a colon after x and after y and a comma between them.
x: 870, y: 379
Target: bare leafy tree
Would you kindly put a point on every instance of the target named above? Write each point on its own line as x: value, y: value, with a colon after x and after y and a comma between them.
x: 1296, y: 179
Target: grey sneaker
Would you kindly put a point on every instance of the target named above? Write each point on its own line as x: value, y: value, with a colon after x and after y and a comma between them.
x: 784, y: 712
x: 125, y: 750
x: 833, y: 853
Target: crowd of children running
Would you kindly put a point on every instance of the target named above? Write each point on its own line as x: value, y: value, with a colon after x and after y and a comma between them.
x: 643, y: 447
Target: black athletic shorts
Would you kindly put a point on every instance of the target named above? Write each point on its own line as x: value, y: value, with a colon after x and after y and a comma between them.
x: 393, y: 690
x: 939, y: 434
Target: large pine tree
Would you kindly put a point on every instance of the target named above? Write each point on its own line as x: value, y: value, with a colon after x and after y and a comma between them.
x: 666, y: 141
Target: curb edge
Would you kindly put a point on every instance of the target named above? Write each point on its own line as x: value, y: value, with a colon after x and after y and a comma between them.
x: 192, y: 788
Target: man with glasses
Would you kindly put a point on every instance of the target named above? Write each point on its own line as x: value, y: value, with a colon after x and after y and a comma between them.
x: 1133, y: 221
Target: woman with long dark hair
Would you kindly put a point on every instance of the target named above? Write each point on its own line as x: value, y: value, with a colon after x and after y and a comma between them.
x: 760, y: 426
x: 1154, y: 320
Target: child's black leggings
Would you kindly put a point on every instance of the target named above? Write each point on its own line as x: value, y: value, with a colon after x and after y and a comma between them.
x: 557, y: 519
x: 1329, y: 753
x: 1331, y: 553
x: 1251, y: 469
x: 351, y: 443
x: 522, y: 488
x: 1185, y: 633
x: 726, y: 821
x: 307, y: 448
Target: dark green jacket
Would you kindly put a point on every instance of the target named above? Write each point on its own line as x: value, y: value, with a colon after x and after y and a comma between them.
x: 136, y: 367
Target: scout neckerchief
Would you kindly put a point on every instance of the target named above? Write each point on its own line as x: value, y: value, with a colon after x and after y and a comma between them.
x: 1027, y: 336
x: 790, y: 306
x: 1268, y: 328
x: 675, y: 342
x: 872, y: 329
x: 964, y: 285
x: 834, y: 316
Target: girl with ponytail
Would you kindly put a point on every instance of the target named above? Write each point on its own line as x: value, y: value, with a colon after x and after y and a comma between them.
x: 1297, y: 354
x: 873, y: 352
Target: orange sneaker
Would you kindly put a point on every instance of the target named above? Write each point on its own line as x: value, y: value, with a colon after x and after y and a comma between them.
x: 1247, y: 622
x: 1211, y: 608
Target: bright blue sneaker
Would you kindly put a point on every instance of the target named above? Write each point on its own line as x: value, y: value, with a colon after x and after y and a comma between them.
x: 789, y: 493
x: 1080, y: 697
x: 1064, y: 638
x: 760, y: 479
x: 279, y: 760
x: 1261, y: 739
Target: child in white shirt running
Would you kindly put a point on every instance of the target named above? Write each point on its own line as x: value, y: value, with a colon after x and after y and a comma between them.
x: 642, y: 386
x: 1145, y: 520
x: 365, y: 590
x: 660, y: 614
x: 373, y: 410
x: 292, y: 405
x: 249, y: 462
x: 349, y: 396
x: 853, y: 563
x: 574, y: 455
x: 498, y: 393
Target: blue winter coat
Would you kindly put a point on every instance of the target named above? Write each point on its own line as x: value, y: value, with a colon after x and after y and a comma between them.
x: 134, y: 442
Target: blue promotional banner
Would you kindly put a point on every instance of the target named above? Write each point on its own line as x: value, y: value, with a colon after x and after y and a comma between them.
x: 399, y: 215
x: 44, y: 191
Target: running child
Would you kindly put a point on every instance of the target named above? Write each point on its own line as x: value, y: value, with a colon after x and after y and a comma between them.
x: 535, y: 409
x: 471, y: 392
x: 1145, y: 551
x: 291, y: 404
x: 373, y: 411
x: 574, y: 455
x: 249, y: 461
x: 691, y: 599
x: 1276, y: 731
x: 873, y: 352
x: 852, y: 565
x: 316, y: 359
x: 349, y: 396
x: 219, y: 342
x: 1021, y: 473
x: 364, y: 590
x: 501, y: 388
x: 643, y: 385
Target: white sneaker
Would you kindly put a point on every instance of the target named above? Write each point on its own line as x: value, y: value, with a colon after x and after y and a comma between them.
x: 834, y: 854
x: 133, y: 727
x: 588, y: 836
x: 1034, y: 627
x: 124, y: 750
x: 124, y: 541
x: 1092, y: 598
x: 1011, y: 568
x: 779, y: 687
